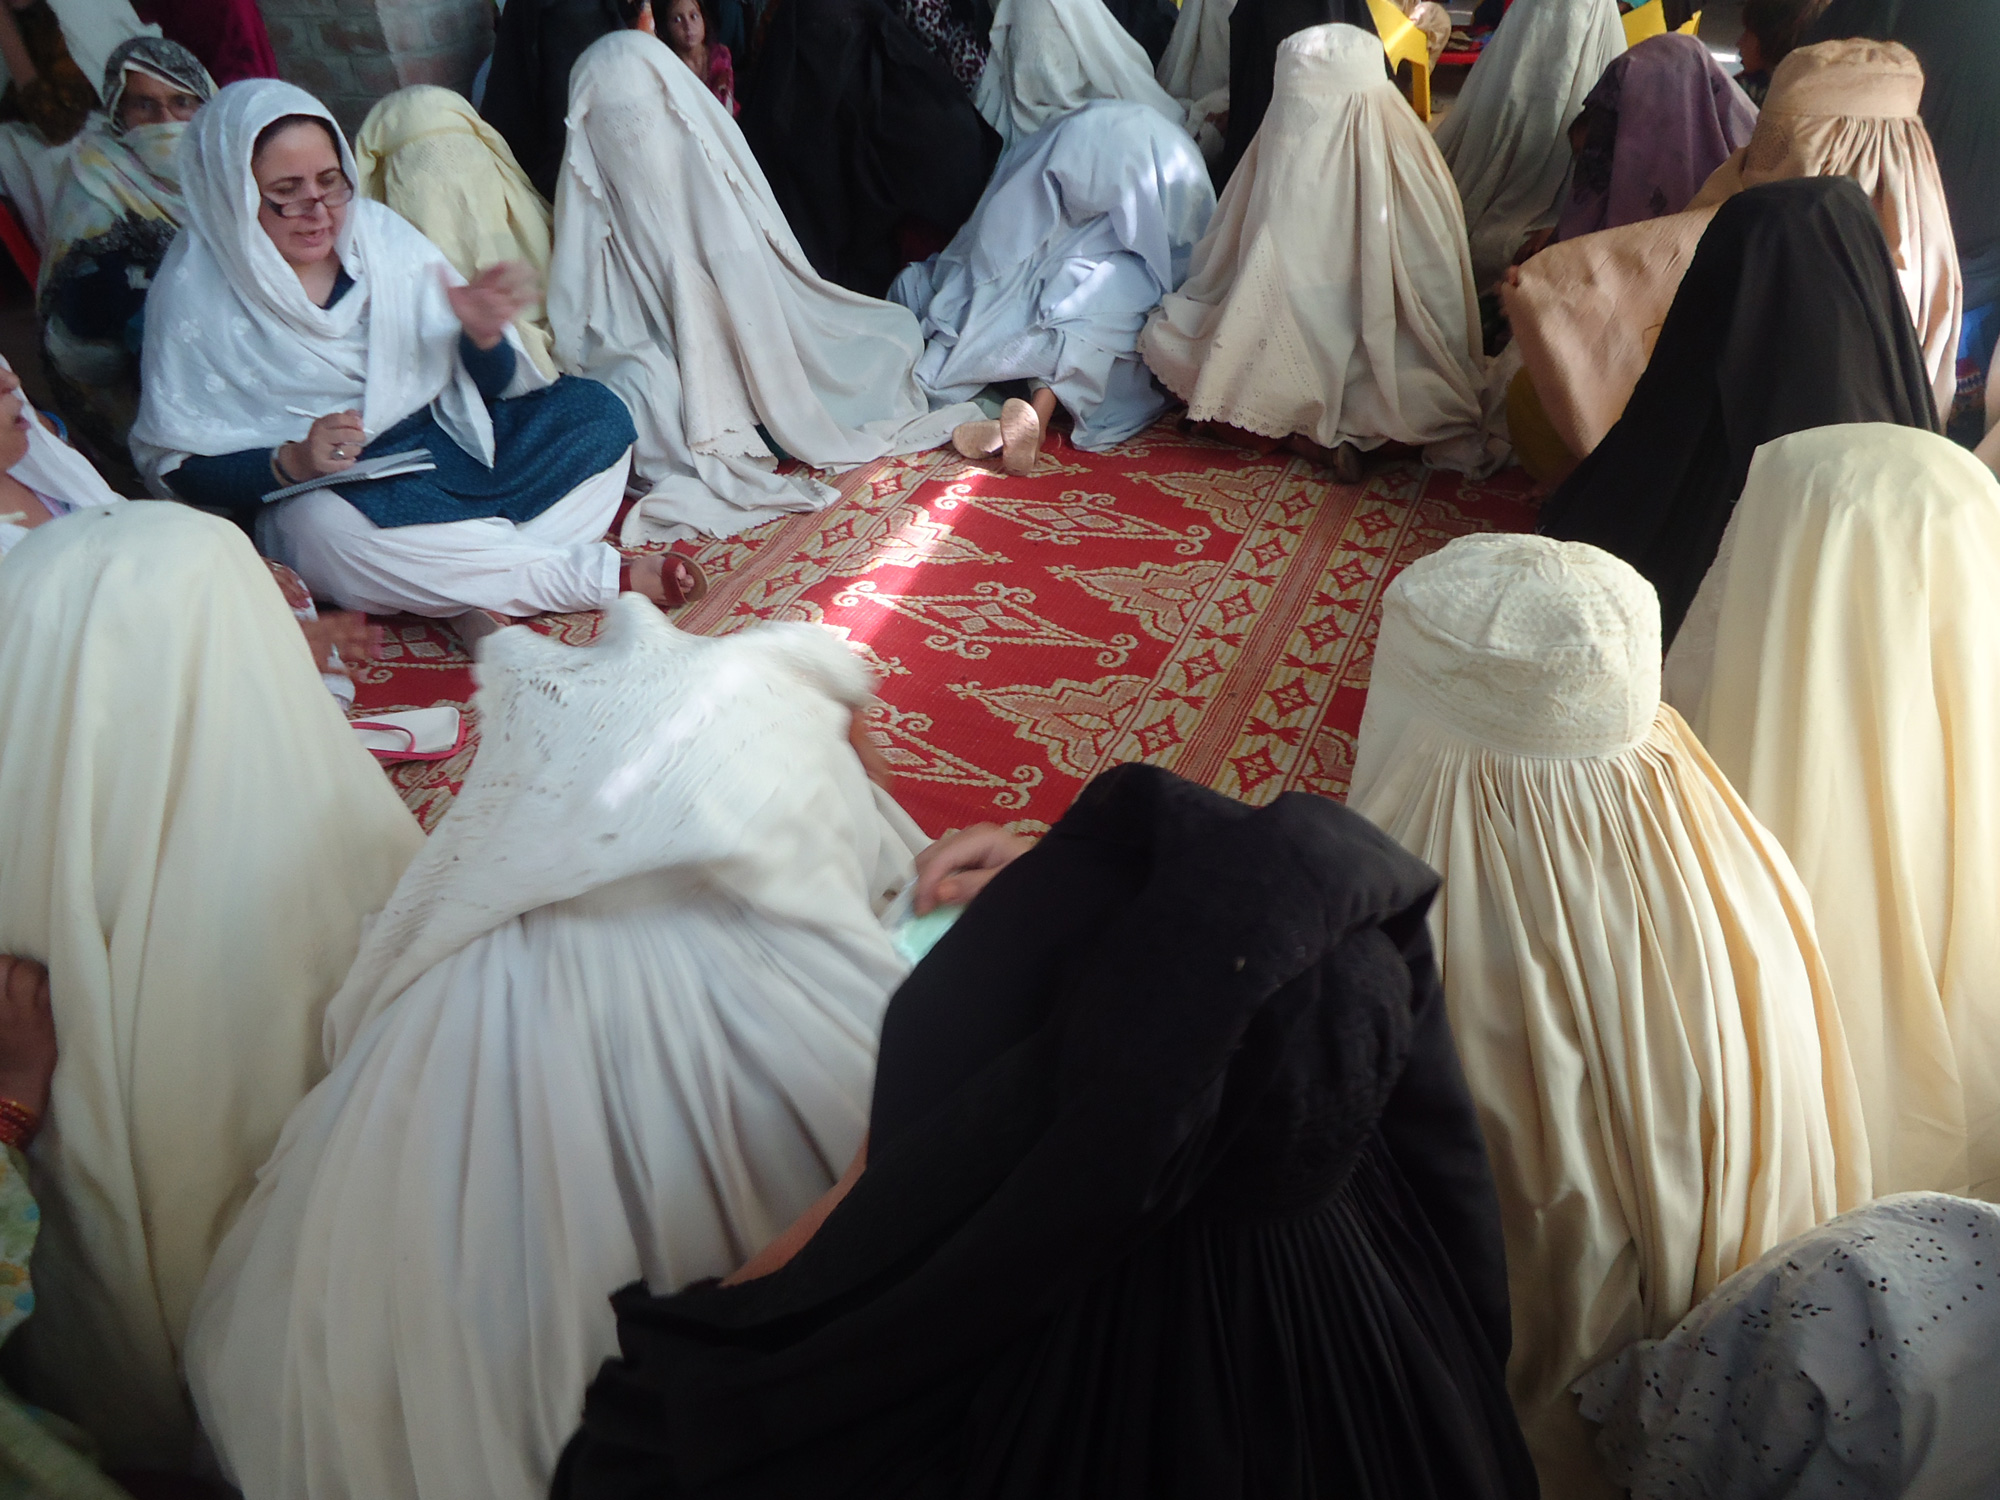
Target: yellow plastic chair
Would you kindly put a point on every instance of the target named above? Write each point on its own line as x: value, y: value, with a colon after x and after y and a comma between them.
x: 1648, y: 20
x: 1693, y: 26
x: 1405, y: 44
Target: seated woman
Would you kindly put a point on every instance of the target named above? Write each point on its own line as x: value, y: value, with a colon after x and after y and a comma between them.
x: 1662, y: 118
x: 1171, y: 1190
x: 618, y: 1020
x: 47, y: 100
x: 1842, y: 662
x: 1292, y: 325
x: 1257, y: 30
x: 1628, y: 958
x: 1053, y: 56
x: 117, y: 211
x: 1958, y: 44
x: 676, y: 282
x: 41, y: 476
x: 1586, y: 312
x: 866, y: 139
x: 426, y: 153
x: 190, y: 838
x: 1789, y: 317
x: 1772, y: 31
x: 296, y: 330
x: 1856, y: 1359
x: 1507, y: 137
x: 1085, y: 226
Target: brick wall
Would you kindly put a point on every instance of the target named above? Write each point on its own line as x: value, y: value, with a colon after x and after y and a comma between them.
x: 351, y: 52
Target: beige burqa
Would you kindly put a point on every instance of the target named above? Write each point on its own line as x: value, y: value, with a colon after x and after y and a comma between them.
x: 1628, y: 959
x: 189, y: 839
x: 425, y: 152
x: 1332, y: 295
x: 1842, y: 662
x: 1587, y: 312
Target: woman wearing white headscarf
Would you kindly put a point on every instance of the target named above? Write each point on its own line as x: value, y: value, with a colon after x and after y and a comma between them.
x: 1628, y: 958
x: 1842, y: 662
x: 618, y: 1021
x: 425, y: 152
x: 1052, y: 56
x: 676, y: 282
x: 1086, y: 225
x: 48, y: 478
x: 190, y: 838
x: 1507, y: 137
x: 295, y: 329
x: 1331, y: 298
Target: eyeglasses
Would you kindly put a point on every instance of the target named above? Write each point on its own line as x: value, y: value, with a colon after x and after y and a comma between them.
x: 337, y: 196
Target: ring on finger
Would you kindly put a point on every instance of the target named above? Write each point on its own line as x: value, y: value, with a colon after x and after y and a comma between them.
x: 338, y: 451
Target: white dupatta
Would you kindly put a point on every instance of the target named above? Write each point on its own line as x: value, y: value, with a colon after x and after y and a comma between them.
x: 232, y: 339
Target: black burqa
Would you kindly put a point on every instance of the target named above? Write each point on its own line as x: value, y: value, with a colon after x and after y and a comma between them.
x: 1174, y: 1192
x: 1256, y: 29
x: 1958, y: 43
x: 863, y: 133
x: 1790, y: 317
x: 535, y: 45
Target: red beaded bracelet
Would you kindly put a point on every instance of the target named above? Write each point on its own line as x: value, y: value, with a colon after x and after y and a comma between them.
x: 18, y: 1124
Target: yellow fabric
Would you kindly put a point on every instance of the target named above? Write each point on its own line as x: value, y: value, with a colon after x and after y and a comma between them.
x: 190, y: 837
x: 425, y: 152
x: 1648, y: 20
x: 1405, y: 44
x: 1842, y: 663
x: 1629, y: 962
x: 1691, y: 26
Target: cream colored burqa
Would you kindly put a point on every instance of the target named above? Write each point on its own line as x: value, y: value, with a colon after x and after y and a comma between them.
x: 189, y: 839
x: 1842, y: 662
x: 1588, y: 311
x: 1050, y: 57
x: 1507, y: 136
x: 1332, y: 295
x: 425, y: 152
x: 1628, y: 958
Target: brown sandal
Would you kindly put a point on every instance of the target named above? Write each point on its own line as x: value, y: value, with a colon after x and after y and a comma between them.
x: 678, y: 594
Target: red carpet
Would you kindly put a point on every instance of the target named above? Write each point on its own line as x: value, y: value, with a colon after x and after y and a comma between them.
x: 1175, y: 601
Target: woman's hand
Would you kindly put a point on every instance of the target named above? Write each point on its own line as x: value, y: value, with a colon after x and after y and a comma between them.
x: 957, y: 867
x: 346, y: 632
x: 333, y: 444
x: 488, y: 304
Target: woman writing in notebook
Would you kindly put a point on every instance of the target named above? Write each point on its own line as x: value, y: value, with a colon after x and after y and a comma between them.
x: 296, y: 331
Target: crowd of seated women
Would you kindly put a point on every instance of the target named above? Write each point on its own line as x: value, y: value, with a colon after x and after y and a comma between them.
x: 1605, y: 1099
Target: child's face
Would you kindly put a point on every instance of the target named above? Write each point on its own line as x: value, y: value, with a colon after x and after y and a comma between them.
x: 685, y: 31
x: 1752, y: 53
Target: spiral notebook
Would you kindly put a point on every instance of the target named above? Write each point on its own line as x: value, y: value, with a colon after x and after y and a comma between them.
x: 387, y: 466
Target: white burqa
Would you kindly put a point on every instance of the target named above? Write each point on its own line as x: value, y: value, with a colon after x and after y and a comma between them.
x: 1842, y: 663
x: 1507, y: 136
x: 1049, y: 57
x: 1854, y: 1360
x: 619, y: 1021
x: 1331, y: 295
x: 1086, y: 224
x: 677, y: 282
x: 232, y: 339
x: 189, y: 838
x: 1628, y: 959
x: 1195, y: 69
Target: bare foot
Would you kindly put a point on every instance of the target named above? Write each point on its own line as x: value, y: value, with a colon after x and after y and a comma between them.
x: 978, y: 441
x: 1345, y: 461
x: 1021, y: 429
x: 27, y: 1034
x: 666, y: 578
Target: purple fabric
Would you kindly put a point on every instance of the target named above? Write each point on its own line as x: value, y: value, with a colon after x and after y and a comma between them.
x: 1660, y: 120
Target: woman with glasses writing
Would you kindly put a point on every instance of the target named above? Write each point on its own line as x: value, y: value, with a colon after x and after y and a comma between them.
x: 295, y: 330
